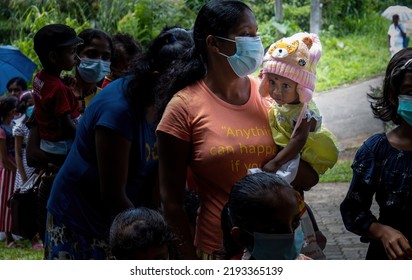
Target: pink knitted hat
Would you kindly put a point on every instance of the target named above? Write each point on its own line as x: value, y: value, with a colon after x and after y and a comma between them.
x: 295, y: 58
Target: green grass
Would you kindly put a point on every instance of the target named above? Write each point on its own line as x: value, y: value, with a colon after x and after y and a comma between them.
x: 349, y: 59
x: 341, y: 172
x: 25, y: 253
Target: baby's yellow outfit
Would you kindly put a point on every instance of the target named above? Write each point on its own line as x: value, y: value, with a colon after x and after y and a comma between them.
x: 320, y: 150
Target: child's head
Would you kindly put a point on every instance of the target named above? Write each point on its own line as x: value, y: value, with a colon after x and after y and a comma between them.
x: 126, y: 48
x: 16, y: 86
x: 7, y: 108
x: 25, y: 104
x: 55, y: 45
x: 396, y: 85
x: 95, y: 55
x: 294, y: 59
x: 263, y: 212
x: 140, y: 234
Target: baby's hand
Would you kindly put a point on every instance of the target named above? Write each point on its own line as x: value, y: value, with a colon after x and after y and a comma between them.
x: 271, y: 166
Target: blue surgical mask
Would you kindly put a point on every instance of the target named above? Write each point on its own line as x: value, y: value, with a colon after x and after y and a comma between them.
x: 93, y: 70
x: 29, y: 111
x: 277, y: 246
x: 405, y: 108
x: 248, y: 56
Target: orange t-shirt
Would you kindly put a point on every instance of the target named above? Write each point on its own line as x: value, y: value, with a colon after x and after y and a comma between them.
x: 226, y: 140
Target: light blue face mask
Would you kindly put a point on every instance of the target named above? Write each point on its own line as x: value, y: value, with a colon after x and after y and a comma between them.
x: 248, y: 56
x: 277, y: 246
x: 405, y: 108
x: 93, y: 70
x: 29, y: 111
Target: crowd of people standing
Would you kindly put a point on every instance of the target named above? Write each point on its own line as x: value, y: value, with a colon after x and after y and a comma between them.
x: 127, y: 140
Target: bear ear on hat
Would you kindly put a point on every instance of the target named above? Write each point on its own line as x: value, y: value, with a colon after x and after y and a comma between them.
x: 308, y: 41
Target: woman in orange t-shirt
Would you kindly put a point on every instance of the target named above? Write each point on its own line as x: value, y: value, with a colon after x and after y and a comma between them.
x: 216, y: 123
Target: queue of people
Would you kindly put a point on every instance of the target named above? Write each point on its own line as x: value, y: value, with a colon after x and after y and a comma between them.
x: 120, y: 141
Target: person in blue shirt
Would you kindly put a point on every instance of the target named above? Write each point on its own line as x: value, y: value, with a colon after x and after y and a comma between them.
x: 112, y: 165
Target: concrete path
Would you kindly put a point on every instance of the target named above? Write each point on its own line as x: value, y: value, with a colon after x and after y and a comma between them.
x: 346, y: 112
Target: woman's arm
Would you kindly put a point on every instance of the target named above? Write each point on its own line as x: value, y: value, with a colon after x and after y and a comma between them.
x: 7, y: 163
x: 173, y: 161
x: 113, y: 152
x: 18, y: 147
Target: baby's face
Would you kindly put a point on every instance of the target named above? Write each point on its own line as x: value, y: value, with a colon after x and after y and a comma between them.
x: 282, y: 90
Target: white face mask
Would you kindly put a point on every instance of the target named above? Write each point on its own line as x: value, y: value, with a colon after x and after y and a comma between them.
x: 93, y: 70
x: 248, y: 56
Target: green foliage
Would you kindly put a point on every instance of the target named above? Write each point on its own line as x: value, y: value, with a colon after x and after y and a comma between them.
x: 357, y: 56
x: 349, y: 16
x: 353, y: 34
x: 34, y: 18
x: 300, y: 15
x: 151, y: 16
x: 341, y: 172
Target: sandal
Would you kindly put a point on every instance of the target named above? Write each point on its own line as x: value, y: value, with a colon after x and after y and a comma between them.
x: 37, y: 246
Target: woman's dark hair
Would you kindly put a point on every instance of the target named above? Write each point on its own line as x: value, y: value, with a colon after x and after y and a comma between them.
x: 22, y: 101
x: 138, y: 229
x: 18, y: 81
x: 7, y: 103
x: 92, y: 33
x: 250, y: 199
x: 385, y: 106
x: 214, y: 18
x: 169, y: 46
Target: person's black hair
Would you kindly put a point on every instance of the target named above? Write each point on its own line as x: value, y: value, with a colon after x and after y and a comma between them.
x: 138, y: 229
x: 214, y: 18
x: 18, y: 81
x: 169, y: 46
x: 385, y: 106
x: 21, y: 106
x: 89, y: 34
x: 250, y: 199
x: 130, y: 44
x: 7, y: 103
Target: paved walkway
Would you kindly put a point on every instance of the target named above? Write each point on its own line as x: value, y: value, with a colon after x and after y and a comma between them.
x: 324, y: 200
x: 346, y: 112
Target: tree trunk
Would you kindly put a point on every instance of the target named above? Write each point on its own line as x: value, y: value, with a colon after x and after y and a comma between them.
x: 278, y: 10
x: 315, y: 16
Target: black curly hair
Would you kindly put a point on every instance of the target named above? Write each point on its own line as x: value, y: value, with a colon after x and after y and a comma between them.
x: 385, y: 105
x: 136, y: 230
